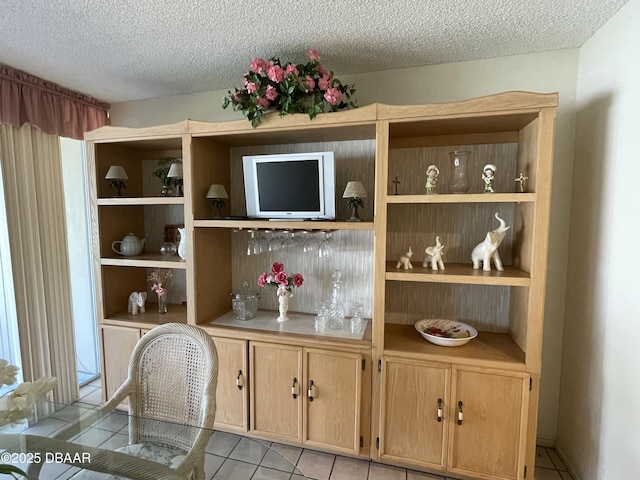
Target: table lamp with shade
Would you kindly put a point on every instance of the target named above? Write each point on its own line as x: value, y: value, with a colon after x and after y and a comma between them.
x: 117, y: 175
x: 217, y: 194
x: 355, y: 192
x: 175, y: 174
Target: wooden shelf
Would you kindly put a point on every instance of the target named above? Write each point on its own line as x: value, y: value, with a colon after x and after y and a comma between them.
x: 151, y: 318
x: 283, y: 225
x: 459, y: 273
x: 464, y: 198
x: 135, y: 201
x: 488, y: 348
x: 147, y: 260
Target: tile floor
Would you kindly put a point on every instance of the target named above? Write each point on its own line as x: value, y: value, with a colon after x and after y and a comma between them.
x: 261, y: 463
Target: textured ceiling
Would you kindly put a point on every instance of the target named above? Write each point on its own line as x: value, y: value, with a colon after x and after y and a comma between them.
x: 120, y: 50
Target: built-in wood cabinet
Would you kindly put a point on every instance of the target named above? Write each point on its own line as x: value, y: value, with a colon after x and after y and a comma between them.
x: 119, y: 342
x: 277, y: 391
x: 488, y: 421
x: 232, y: 390
x: 389, y: 411
x: 306, y: 395
x: 414, y: 416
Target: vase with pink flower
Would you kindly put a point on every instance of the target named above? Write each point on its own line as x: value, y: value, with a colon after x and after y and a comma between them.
x: 159, y: 279
x: 284, y: 283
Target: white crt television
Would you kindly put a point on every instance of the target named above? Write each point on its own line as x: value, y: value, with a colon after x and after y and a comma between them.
x: 294, y: 186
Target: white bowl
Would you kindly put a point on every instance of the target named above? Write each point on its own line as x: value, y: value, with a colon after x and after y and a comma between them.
x: 447, y: 333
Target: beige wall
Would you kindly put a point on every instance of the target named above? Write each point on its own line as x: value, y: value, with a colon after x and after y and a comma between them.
x: 599, y: 420
x: 545, y: 72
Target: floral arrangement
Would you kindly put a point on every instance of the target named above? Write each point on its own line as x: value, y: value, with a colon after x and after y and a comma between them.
x: 160, y: 277
x: 17, y: 405
x: 290, y: 88
x: 277, y: 277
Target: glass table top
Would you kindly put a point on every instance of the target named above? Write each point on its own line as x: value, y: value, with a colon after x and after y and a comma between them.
x: 64, y: 439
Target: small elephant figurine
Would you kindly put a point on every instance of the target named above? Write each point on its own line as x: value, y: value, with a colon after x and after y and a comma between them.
x: 487, y: 250
x: 405, y: 260
x: 136, y: 302
x: 434, y: 256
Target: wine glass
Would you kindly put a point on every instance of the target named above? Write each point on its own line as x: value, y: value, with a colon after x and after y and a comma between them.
x: 274, y: 243
x: 310, y: 243
x: 326, y: 246
x: 288, y: 241
x: 253, y: 246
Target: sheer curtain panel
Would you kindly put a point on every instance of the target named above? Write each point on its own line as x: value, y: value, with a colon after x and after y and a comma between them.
x: 50, y: 107
x: 34, y: 197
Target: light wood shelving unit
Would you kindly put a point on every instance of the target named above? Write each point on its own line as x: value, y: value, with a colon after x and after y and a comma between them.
x: 404, y: 397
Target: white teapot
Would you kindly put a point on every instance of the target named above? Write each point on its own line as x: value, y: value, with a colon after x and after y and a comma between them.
x: 129, y: 245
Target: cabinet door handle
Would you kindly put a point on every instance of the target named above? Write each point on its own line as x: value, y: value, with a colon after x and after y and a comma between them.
x: 439, y: 416
x: 459, y: 413
x: 294, y: 388
x: 240, y: 380
x: 310, y: 391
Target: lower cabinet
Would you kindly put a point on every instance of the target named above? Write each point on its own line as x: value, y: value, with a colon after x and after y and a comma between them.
x: 306, y: 395
x: 413, y: 421
x: 489, y: 418
x: 453, y: 418
x: 232, y: 390
x: 117, y: 345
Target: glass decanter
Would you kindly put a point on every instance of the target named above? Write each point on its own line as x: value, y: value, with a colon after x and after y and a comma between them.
x: 335, y: 308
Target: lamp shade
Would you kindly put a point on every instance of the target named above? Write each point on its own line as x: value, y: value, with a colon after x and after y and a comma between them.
x: 354, y: 189
x: 175, y: 171
x: 217, y: 191
x: 116, y: 172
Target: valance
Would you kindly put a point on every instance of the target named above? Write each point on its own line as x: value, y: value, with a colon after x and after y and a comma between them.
x: 53, y: 109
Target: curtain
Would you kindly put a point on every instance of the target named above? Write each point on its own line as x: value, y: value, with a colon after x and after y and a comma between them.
x: 34, y: 197
x: 50, y: 107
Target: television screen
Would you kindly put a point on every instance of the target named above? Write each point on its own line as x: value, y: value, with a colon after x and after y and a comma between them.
x: 302, y: 190
x: 290, y: 186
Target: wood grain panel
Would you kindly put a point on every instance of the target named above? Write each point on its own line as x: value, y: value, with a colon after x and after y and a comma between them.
x: 406, y: 162
x: 484, y: 307
x: 460, y: 228
x: 411, y: 430
x: 232, y: 403
x: 332, y: 419
x: 274, y: 411
x: 212, y: 272
x: 490, y: 439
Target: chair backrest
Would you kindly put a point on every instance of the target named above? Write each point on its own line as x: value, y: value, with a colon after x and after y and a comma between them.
x: 174, y: 369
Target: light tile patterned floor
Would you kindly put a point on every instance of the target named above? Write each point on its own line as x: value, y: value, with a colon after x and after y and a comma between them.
x: 260, y: 463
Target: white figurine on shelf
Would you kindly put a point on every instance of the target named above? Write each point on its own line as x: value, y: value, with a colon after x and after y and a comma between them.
x: 136, y: 302
x: 405, y: 260
x: 434, y: 256
x: 432, y: 179
x: 488, y: 249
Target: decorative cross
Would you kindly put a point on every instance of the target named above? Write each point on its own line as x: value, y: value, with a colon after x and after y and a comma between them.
x: 396, y: 182
x: 521, y: 179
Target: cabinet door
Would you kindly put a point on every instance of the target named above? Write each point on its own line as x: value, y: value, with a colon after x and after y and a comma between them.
x: 332, y: 406
x: 233, y: 385
x: 413, y: 415
x: 117, y: 345
x: 488, y: 423
x: 276, y: 391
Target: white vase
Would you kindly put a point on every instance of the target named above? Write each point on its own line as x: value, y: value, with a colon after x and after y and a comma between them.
x: 182, y: 246
x: 283, y: 307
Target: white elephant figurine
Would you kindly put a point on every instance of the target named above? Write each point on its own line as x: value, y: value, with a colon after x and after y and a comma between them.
x: 488, y: 249
x: 136, y: 302
x: 433, y: 255
x: 405, y: 260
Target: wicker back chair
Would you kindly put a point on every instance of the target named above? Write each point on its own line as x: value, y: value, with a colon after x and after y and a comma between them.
x: 173, y: 374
